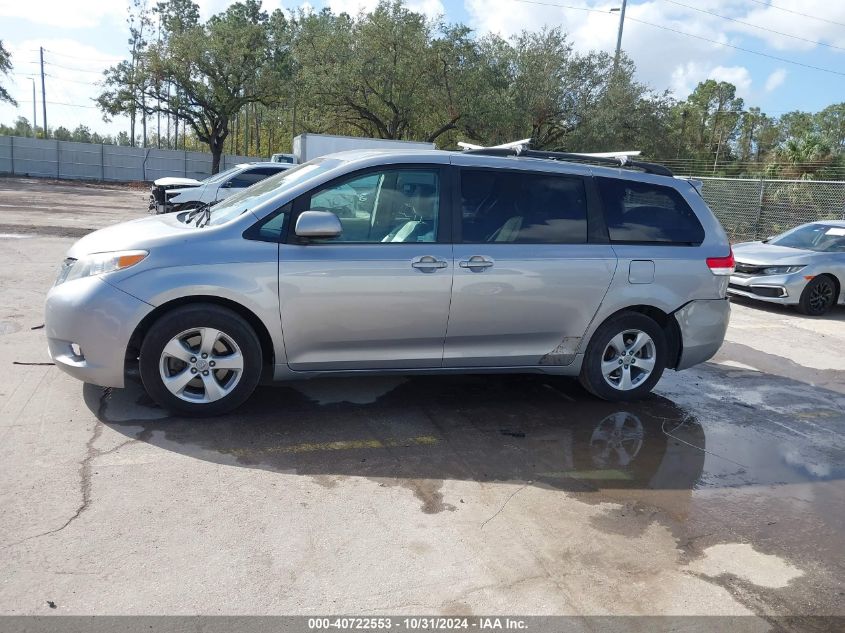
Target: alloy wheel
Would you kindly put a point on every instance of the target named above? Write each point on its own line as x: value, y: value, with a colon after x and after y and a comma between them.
x: 628, y: 359
x: 201, y: 365
x: 821, y: 296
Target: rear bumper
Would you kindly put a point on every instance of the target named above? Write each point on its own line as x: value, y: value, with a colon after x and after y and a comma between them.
x: 703, y: 324
x: 99, y: 319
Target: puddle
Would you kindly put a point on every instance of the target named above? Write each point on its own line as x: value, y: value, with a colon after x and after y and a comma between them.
x: 488, y: 428
x: 751, y: 495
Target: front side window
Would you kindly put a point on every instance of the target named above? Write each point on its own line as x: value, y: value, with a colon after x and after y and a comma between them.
x: 522, y: 208
x: 642, y: 212
x: 393, y: 205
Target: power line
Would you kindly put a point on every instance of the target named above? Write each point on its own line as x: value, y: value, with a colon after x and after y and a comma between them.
x: 87, y: 59
x: 69, y: 105
x: 755, y: 26
x: 564, y: 6
x: 806, y: 15
x: 79, y: 70
x: 739, y: 48
x: 698, y: 37
x: 76, y: 81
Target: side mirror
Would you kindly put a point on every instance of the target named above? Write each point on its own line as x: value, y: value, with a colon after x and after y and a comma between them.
x: 226, y: 185
x: 318, y: 224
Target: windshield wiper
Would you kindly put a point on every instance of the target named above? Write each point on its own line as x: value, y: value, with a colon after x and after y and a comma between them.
x: 204, y: 216
x: 203, y: 211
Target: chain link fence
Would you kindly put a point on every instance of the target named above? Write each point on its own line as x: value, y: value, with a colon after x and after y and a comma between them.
x: 756, y: 209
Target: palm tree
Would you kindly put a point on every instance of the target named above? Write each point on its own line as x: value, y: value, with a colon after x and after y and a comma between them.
x: 805, y: 155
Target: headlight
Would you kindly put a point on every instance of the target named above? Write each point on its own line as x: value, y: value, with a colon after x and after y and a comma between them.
x: 98, y: 264
x: 781, y: 270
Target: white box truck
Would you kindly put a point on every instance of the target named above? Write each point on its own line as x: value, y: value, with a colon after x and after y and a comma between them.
x: 307, y: 146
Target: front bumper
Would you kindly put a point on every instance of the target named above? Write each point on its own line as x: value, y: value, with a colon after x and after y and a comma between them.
x: 98, y: 318
x: 703, y: 324
x: 782, y: 289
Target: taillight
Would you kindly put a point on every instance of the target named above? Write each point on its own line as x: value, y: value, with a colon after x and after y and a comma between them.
x: 722, y: 265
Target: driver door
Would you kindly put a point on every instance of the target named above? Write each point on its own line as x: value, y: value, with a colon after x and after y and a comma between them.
x: 377, y: 296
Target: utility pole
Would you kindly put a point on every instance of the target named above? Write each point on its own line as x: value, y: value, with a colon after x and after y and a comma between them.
x: 158, y: 91
x: 619, y: 35
x: 43, y: 92
x: 34, y: 122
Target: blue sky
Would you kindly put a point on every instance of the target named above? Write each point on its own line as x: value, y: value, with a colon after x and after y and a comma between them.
x: 81, y: 37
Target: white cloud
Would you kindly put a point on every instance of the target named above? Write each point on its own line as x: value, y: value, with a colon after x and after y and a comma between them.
x: 430, y: 8
x: 775, y: 80
x: 69, y: 15
x: 687, y: 76
x: 662, y: 56
x: 736, y: 75
x: 816, y: 30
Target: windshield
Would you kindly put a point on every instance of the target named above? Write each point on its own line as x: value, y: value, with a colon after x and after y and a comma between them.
x: 259, y: 193
x: 822, y: 238
x: 222, y: 175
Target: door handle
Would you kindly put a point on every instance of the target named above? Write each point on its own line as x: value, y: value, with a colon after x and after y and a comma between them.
x: 428, y: 263
x: 476, y: 263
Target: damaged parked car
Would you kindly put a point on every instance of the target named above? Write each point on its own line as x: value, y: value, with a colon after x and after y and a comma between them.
x: 397, y: 262
x: 172, y: 194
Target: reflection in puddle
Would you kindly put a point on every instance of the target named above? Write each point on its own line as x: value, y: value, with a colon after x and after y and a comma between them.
x: 486, y: 428
x: 482, y: 428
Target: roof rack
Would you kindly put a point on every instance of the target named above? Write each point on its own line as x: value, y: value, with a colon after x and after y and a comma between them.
x: 621, y: 161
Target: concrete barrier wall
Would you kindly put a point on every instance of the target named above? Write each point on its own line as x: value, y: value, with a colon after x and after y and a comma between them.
x: 48, y: 158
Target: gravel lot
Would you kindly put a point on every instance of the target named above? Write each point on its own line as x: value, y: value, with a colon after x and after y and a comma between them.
x: 721, y: 494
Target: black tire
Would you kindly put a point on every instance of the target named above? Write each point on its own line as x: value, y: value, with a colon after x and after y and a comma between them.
x: 818, y: 296
x: 200, y: 315
x: 591, y: 375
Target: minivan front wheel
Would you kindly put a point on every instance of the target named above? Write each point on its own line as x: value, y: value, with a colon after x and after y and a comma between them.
x: 200, y: 360
x: 625, y: 357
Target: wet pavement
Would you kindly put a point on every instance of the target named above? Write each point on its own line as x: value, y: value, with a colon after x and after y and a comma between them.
x: 745, y: 470
x: 722, y: 493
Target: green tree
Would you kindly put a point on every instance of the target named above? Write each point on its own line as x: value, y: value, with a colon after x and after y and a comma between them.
x: 796, y: 124
x: 233, y: 59
x: 81, y: 134
x: 802, y: 157
x: 708, y: 120
x: 623, y: 113
x: 5, y: 69
x: 389, y: 73
x: 61, y: 133
x: 22, y: 127
x: 831, y: 125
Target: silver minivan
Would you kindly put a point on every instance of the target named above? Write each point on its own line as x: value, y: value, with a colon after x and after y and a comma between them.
x: 376, y: 262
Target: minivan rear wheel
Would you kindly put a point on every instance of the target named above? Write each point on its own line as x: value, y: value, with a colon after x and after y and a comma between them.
x: 200, y: 360
x: 625, y: 357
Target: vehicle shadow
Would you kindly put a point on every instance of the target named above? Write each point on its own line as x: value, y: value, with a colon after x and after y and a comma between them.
x: 535, y: 429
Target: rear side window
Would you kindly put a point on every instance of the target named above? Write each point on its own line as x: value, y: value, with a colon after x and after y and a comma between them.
x: 248, y: 178
x: 643, y: 212
x: 522, y: 208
